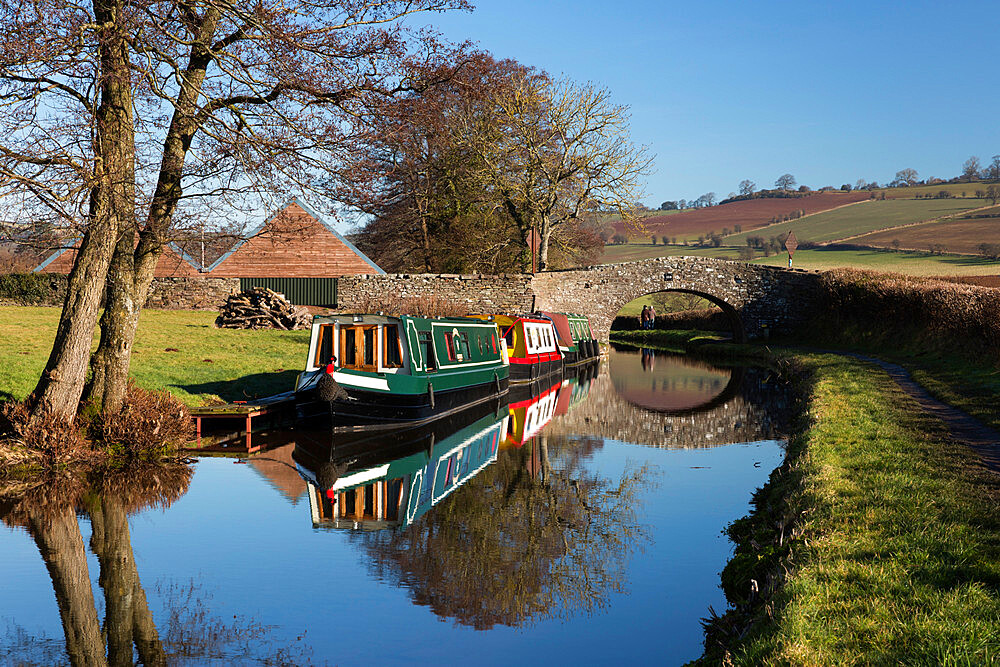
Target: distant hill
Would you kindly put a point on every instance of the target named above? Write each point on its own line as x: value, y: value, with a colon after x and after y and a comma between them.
x: 749, y: 214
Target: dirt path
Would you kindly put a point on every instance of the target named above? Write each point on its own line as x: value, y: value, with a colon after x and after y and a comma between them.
x: 963, y: 427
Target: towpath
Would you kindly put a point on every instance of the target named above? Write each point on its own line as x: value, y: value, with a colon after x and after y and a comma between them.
x: 963, y: 427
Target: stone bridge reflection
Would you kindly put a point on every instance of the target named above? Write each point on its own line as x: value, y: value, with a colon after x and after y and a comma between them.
x: 736, y: 405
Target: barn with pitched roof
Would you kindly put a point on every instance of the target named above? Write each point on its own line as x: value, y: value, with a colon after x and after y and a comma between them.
x: 295, y: 251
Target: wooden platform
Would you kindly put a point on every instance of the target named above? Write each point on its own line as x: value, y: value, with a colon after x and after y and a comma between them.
x: 244, y: 410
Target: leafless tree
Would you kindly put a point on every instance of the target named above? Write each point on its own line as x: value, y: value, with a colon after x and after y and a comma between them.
x: 906, y: 177
x: 785, y: 182
x: 747, y: 187
x: 553, y: 149
x: 970, y: 169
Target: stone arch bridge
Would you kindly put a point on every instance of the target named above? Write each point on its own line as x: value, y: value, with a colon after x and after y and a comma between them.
x: 758, y: 299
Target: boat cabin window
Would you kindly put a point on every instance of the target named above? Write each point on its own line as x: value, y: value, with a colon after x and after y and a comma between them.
x: 493, y: 339
x: 449, y: 344
x: 464, y: 349
x: 324, y: 350
x: 357, y: 347
x: 509, y: 337
x: 427, y: 348
x: 392, y: 356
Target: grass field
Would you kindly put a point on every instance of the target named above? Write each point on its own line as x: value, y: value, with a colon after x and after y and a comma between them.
x: 914, y: 263
x: 749, y: 214
x: 919, y: 263
x: 862, y: 218
x: 180, y: 351
x: 955, y: 189
x: 963, y: 236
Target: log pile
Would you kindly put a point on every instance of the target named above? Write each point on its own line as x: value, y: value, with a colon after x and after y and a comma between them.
x: 261, y: 308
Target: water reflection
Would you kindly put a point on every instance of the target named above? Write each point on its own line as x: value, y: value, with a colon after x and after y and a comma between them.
x: 48, y: 512
x: 402, y: 474
x: 679, y: 403
x: 534, y: 536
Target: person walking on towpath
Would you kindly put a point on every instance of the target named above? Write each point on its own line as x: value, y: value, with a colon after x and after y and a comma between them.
x: 644, y: 318
x: 651, y: 322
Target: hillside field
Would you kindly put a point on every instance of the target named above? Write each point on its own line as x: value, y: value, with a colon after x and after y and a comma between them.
x: 962, y: 235
x: 749, y: 214
x: 863, y: 218
x: 955, y: 189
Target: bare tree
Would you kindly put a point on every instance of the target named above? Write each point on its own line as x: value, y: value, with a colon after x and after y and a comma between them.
x: 970, y: 169
x: 553, y: 149
x: 993, y: 171
x: 747, y: 187
x: 906, y: 177
x: 785, y: 182
x: 237, y: 104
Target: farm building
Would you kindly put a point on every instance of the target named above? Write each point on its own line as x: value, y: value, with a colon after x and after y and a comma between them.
x: 295, y: 242
x: 172, y: 264
x: 295, y: 251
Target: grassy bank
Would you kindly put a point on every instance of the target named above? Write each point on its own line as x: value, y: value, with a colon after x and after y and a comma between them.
x: 876, y: 542
x: 180, y: 351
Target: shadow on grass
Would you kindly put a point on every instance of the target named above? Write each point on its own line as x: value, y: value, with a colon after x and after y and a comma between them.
x: 248, y: 387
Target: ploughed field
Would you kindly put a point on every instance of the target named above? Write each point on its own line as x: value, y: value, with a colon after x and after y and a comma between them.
x: 963, y: 235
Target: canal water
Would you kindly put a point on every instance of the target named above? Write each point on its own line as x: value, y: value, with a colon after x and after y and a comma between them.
x: 579, y: 522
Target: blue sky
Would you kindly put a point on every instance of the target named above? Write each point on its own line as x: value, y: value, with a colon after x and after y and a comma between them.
x: 722, y: 91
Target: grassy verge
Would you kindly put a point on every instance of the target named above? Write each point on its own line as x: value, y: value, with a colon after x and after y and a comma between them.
x: 875, y: 542
x: 180, y: 351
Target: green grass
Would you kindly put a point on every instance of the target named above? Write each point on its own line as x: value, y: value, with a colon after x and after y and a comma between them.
x: 891, y: 540
x: 861, y: 218
x: 209, y: 364
x: 956, y: 189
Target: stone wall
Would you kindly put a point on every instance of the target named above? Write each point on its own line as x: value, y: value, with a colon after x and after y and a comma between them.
x: 508, y: 293
x: 165, y: 293
x: 191, y: 293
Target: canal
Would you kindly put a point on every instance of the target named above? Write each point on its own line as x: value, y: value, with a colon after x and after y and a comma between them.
x: 580, y: 521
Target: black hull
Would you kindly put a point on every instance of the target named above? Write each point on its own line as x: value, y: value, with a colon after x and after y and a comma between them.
x: 520, y: 373
x: 370, y: 410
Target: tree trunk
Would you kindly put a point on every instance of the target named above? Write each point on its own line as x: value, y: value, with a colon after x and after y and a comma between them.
x: 112, y: 208
x: 61, y: 545
x: 133, y: 267
x: 543, y: 246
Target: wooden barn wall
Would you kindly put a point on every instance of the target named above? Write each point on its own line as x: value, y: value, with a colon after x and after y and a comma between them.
x: 294, y: 245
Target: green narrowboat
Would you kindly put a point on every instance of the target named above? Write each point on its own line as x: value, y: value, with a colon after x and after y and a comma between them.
x: 576, y: 341
x: 370, y: 371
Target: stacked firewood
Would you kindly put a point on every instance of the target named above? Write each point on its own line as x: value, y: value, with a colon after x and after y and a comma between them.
x: 261, y: 308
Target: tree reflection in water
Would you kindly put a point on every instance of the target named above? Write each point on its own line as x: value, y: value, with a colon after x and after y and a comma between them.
x: 48, y: 511
x: 535, y: 535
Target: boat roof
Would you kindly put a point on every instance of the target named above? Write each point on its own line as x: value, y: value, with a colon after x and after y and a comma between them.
x: 381, y: 318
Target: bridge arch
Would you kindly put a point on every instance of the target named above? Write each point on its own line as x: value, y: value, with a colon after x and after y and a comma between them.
x: 732, y: 315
